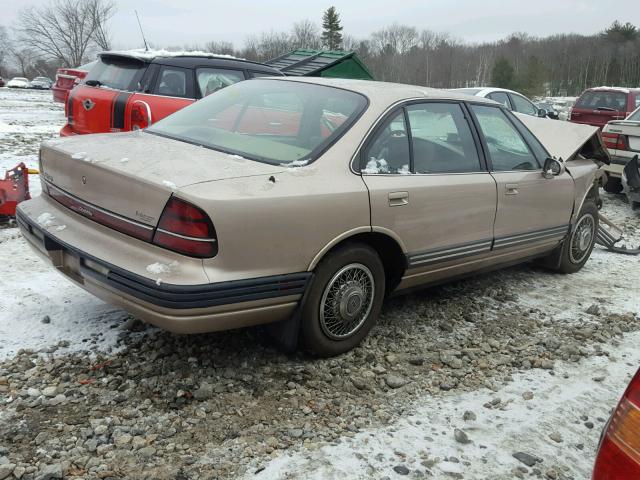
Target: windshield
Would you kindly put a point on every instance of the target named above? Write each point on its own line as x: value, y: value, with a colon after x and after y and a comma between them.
x: 270, y: 121
x: 603, y: 100
x: 116, y: 72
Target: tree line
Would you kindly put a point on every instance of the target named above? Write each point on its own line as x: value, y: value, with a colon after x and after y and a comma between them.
x: 70, y: 32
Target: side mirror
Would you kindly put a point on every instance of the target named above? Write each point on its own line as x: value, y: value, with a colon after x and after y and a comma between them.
x: 552, y: 168
x: 542, y: 112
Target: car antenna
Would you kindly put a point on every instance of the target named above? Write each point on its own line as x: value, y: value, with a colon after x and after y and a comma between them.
x: 146, y: 47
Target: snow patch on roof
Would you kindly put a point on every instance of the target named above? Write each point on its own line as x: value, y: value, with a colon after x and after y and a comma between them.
x: 616, y: 89
x: 143, y: 54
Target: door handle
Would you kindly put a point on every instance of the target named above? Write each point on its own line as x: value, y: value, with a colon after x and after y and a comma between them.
x: 511, y: 189
x: 397, y: 199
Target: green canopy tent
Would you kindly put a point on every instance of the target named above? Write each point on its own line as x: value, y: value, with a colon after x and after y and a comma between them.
x: 321, y: 63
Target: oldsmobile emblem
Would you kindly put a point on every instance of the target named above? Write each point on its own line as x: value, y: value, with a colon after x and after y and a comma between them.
x: 88, y: 104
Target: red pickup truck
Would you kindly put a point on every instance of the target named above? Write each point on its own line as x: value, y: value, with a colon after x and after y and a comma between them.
x: 66, y: 79
x: 131, y: 90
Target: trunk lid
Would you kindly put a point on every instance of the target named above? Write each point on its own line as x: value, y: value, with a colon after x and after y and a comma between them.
x: 133, y: 174
x: 629, y: 129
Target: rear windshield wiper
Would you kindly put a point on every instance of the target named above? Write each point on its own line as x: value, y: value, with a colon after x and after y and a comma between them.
x: 93, y: 83
x: 607, y: 109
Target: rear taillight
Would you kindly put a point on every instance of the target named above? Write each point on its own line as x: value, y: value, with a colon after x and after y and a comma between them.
x: 619, y: 453
x: 186, y: 229
x: 614, y: 141
x: 140, y: 115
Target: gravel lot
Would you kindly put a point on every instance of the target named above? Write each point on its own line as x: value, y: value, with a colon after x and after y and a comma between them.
x: 452, y: 383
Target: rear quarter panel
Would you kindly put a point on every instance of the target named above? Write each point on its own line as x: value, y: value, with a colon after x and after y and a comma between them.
x: 159, y: 105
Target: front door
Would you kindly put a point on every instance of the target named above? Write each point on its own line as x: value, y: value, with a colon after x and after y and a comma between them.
x: 533, y: 211
x: 429, y: 189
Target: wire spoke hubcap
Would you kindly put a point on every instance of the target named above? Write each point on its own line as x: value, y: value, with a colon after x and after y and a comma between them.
x: 346, y: 301
x: 582, y: 238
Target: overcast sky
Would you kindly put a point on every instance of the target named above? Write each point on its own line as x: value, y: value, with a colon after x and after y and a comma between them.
x: 180, y: 22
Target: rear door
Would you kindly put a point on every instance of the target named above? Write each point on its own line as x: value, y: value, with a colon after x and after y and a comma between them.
x: 428, y: 186
x: 532, y: 210
x: 98, y: 105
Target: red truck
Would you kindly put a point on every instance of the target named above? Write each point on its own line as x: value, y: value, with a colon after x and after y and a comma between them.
x: 131, y: 90
x: 66, y: 79
x: 598, y: 106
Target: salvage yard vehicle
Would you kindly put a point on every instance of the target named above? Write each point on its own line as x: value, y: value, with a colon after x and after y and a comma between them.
x: 622, y: 138
x: 40, y: 83
x: 131, y: 90
x: 618, y: 456
x: 600, y: 105
x: 514, y: 101
x: 306, y: 201
x: 18, y: 82
x: 67, y: 78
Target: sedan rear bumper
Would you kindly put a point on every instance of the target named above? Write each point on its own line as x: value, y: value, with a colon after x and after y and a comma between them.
x: 177, y: 308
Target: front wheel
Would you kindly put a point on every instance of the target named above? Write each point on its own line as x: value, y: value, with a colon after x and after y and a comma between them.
x: 577, y: 247
x: 344, y: 301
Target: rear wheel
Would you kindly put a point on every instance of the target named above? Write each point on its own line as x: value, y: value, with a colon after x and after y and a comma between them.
x: 344, y: 301
x: 577, y: 247
x: 613, y: 185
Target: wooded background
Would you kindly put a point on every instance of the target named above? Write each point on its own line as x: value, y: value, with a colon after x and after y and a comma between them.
x: 70, y: 32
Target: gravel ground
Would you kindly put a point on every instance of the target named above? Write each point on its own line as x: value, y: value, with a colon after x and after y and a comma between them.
x: 452, y: 383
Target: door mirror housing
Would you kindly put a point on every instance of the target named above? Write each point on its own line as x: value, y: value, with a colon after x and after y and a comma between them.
x: 542, y: 112
x: 552, y: 167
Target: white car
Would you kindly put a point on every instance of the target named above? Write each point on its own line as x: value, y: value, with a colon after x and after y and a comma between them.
x: 622, y: 138
x: 18, y: 82
x: 514, y: 101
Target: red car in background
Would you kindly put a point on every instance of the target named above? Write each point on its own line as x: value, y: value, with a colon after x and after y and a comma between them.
x: 618, y: 455
x: 67, y: 78
x: 131, y: 90
x: 598, y: 106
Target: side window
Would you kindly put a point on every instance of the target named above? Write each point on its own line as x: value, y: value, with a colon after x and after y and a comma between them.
x: 442, y: 140
x: 522, y: 105
x: 507, y: 148
x: 172, y: 82
x: 500, y: 97
x: 213, y: 79
x: 389, y: 150
x: 637, y: 104
x: 538, y: 150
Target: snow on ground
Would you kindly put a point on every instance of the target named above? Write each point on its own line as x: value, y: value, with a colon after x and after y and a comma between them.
x: 534, y: 406
x: 29, y: 289
x: 26, y: 118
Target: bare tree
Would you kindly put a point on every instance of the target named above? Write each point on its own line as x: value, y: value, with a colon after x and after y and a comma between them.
x: 24, y: 59
x: 5, y: 47
x: 220, y: 47
x: 306, y: 34
x: 66, y: 29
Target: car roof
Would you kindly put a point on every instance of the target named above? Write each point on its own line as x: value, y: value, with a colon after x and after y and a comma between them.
x: 482, y: 91
x: 189, y: 59
x: 389, y: 92
x: 612, y: 89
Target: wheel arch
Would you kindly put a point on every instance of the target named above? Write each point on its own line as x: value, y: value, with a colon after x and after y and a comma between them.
x: 387, y: 245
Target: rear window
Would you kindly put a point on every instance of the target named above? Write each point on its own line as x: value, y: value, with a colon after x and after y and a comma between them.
x: 118, y: 73
x: 270, y: 121
x: 603, y: 100
x: 635, y: 116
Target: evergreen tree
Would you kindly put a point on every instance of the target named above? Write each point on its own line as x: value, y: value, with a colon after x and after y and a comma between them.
x: 502, y: 74
x: 532, y: 83
x: 331, y: 29
x: 619, y: 33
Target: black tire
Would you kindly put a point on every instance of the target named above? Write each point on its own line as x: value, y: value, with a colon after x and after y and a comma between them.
x: 320, y: 331
x: 572, y: 260
x: 613, y: 185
